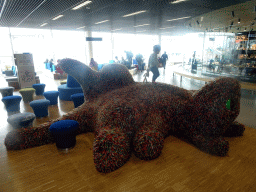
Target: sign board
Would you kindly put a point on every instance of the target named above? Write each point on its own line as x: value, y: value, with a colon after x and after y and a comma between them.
x: 93, y: 38
x: 26, y: 70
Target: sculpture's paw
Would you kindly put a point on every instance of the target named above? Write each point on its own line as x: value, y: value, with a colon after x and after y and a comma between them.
x: 14, y: 141
x: 111, y: 150
x: 215, y: 146
x: 234, y: 130
x: 148, y: 144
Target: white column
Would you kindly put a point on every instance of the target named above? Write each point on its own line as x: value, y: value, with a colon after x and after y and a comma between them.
x: 89, y: 34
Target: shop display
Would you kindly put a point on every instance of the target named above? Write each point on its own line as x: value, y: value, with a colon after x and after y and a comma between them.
x: 127, y: 116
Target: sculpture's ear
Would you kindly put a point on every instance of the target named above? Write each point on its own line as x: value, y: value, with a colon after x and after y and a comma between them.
x: 84, y: 75
x: 217, y: 103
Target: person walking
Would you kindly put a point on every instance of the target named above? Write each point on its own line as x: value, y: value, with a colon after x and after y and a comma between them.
x: 164, y: 58
x: 93, y: 64
x: 153, y: 63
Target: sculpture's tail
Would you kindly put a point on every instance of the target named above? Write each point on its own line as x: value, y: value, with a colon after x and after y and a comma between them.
x: 40, y: 135
x: 110, y: 77
x: 85, y: 76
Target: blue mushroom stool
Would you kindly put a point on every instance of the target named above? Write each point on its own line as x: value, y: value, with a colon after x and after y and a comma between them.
x: 78, y: 99
x: 52, y: 96
x: 12, y: 103
x: 64, y: 133
x: 6, y: 91
x: 20, y: 120
x: 39, y: 88
x: 40, y: 107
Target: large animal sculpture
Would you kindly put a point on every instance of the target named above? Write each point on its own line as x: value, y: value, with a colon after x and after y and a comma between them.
x: 127, y: 116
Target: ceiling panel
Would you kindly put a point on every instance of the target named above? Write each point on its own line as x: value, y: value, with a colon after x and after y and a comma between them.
x: 33, y: 13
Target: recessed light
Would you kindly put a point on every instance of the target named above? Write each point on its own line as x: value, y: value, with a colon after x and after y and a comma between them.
x: 140, y: 31
x: 167, y: 27
x: 81, y: 5
x: 179, y: 18
x: 135, y: 13
x: 117, y: 29
x: 55, y: 18
x: 101, y: 22
x: 43, y: 24
x: 80, y: 27
x: 141, y: 25
x: 177, y: 1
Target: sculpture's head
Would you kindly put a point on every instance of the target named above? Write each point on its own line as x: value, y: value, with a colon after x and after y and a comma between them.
x: 216, y: 105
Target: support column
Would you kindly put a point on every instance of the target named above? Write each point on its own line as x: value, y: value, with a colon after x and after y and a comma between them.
x: 89, y: 34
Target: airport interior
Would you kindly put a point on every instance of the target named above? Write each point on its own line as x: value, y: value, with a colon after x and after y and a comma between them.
x: 128, y: 95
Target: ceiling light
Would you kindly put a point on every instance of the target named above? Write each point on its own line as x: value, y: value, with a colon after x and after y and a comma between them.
x: 238, y: 21
x: 43, y: 24
x: 202, y: 18
x: 177, y: 1
x: 141, y: 25
x: 167, y: 27
x: 81, y: 5
x: 135, y: 13
x: 102, y: 22
x: 141, y: 31
x: 179, y: 18
x: 55, y: 18
x: 80, y: 27
x: 117, y: 29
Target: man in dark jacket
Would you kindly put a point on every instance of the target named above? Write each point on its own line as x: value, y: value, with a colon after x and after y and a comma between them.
x: 164, y: 58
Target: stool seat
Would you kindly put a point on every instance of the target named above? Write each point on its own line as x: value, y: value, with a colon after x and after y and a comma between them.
x: 39, y: 88
x: 6, y: 91
x: 78, y: 99
x: 20, y: 120
x: 27, y: 94
x: 40, y: 107
x: 52, y: 96
x: 12, y: 103
x: 64, y: 133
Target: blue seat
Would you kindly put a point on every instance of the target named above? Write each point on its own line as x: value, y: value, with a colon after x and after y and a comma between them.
x: 64, y: 133
x: 20, y: 120
x: 71, y: 82
x: 6, y: 91
x: 52, y: 96
x: 78, y: 99
x: 40, y: 107
x: 12, y: 103
x: 72, y: 87
x: 39, y: 88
